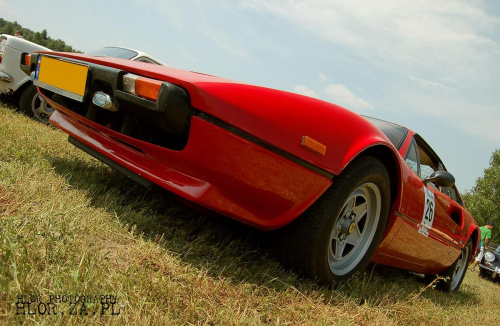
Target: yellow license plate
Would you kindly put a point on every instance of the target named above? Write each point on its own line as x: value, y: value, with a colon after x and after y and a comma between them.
x: 62, y: 77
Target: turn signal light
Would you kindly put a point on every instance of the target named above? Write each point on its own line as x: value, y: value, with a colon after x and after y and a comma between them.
x: 141, y: 86
x: 27, y: 59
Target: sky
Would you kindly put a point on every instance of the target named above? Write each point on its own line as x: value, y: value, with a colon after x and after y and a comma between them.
x: 430, y: 65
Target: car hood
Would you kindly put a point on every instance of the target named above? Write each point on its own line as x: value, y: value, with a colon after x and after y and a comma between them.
x: 275, y: 117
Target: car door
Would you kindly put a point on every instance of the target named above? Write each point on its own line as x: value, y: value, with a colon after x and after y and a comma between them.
x: 427, y: 239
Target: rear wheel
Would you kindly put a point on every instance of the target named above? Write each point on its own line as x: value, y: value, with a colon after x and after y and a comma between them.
x: 454, y: 275
x: 339, y: 234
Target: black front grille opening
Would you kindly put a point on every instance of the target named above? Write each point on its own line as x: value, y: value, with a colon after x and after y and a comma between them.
x: 142, y: 127
x: 168, y: 127
x: 75, y: 106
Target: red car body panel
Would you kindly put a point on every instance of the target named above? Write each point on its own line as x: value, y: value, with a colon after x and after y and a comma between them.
x: 205, y: 174
x: 404, y: 247
x: 261, y: 111
x: 236, y: 177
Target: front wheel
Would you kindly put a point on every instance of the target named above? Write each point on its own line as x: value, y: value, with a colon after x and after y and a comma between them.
x: 454, y: 275
x: 339, y: 234
x: 32, y: 104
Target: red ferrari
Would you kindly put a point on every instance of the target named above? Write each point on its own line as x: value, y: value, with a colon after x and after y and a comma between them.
x: 344, y: 189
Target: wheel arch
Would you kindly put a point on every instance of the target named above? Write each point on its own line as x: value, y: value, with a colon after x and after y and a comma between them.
x: 388, y: 158
x: 474, y: 237
x: 21, y: 89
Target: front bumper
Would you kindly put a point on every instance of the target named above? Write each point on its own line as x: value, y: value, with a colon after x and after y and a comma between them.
x: 216, y: 169
x: 493, y: 270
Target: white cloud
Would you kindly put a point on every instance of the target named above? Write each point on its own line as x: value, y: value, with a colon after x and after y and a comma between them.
x: 338, y: 94
x: 428, y: 84
x: 480, y: 120
x: 452, y: 46
x: 304, y: 90
x: 341, y: 95
x: 422, y: 34
x: 322, y: 77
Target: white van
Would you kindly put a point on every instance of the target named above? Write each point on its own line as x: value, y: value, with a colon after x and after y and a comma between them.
x: 14, y: 83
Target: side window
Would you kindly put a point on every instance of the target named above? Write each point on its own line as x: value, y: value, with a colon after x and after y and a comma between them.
x: 412, y: 157
x: 427, y: 164
x: 452, y: 192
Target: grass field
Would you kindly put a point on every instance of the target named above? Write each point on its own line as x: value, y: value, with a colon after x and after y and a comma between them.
x: 71, y: 226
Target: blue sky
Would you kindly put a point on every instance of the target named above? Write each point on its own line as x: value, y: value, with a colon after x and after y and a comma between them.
x: 433, y: 66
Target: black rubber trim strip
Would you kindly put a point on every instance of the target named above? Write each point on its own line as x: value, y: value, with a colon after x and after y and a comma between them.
x: 402, y: 140
x: 261, y: 143
x: 106, y: 160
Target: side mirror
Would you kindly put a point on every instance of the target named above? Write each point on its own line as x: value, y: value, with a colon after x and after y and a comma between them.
x: 441, y: 179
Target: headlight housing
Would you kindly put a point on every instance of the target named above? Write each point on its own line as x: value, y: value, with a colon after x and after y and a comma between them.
x: 489, y: 256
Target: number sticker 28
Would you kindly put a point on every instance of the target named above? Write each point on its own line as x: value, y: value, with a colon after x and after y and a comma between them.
x: 429, y: 208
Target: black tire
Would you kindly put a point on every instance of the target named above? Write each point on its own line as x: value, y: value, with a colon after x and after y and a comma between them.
x: 337, y: 236
x: 33, y: 105
x: 454, y: 275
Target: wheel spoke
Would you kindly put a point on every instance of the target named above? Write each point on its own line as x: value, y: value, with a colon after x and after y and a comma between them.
x: 350, y: 204
x: 39, y: 110
x: 353, y: 238
x: 47, y: 110
x: 339, y: 250
x: 45, y: 107
x: 458, y: 265
x: 360, y: 210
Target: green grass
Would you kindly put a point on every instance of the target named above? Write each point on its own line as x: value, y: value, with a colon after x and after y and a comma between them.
x: 70, y: 225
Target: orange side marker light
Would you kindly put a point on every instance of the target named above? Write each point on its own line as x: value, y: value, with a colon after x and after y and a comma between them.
x: 313, y: 145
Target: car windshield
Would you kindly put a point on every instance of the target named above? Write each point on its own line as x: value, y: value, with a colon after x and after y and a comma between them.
x: 115, y: 52
x: 394, y: 132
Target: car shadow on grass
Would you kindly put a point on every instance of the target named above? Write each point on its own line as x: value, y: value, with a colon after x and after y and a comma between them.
x: 224, y: 248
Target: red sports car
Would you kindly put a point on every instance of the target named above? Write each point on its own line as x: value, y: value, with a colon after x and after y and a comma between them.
x: 344, y: 189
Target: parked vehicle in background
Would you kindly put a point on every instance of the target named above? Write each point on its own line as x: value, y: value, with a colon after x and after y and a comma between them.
x: 29, y: 101
x: 14, y: 83
x: 489, y: 267
x: 126, y: 53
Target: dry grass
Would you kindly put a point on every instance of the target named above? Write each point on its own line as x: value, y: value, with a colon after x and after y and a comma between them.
x: 69, y: 225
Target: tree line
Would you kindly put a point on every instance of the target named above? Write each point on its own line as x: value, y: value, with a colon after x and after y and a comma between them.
x: 483, y: 201
x: 40, y: 38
